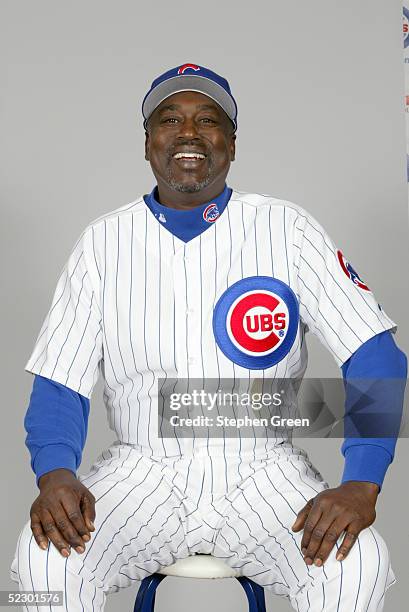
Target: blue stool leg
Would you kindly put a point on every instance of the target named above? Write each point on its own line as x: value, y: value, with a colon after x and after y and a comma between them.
x: 255, y: 594
x: 259, y: 591
x: 145, y: 598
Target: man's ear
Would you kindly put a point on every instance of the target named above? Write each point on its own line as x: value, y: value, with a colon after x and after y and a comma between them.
x: 147, y: 145
x: 233, y: 147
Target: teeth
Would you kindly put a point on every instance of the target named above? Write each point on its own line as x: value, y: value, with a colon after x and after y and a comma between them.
x: 189, y: 156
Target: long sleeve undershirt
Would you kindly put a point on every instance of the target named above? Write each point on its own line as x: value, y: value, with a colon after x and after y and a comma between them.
x: 57, y: 417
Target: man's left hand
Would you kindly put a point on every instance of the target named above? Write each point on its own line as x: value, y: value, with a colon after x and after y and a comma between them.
x: 350, y: 508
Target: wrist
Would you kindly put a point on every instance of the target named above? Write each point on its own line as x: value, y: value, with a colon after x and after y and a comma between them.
x: 53, y: 474
x: 370, y: 488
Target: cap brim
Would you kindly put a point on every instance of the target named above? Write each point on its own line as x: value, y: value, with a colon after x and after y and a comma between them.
x: 189, y: 82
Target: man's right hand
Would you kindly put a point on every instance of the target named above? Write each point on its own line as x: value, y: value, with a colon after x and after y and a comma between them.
x: 63, y: 512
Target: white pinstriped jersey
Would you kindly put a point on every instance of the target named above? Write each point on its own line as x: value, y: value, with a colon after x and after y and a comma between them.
x: 135, y: 303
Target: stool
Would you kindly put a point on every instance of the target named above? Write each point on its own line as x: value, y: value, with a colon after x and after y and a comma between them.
x: 197, y: 566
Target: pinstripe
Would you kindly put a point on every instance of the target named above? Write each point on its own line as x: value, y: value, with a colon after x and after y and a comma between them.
x: 340, y: 584
x: 46, y: 571
x: 118, y: 333
x: 144, y: 331
x: 65, y: 586
x: 106, y: 343
x: 29, y: 565
x: 360, y: 573
x: 88, y: 364
x: 285, y: 242
x: 377, y: 571
x: 79, y: 594
x: 159, y: 335
x: 140, y: 372
x: 94, y: 254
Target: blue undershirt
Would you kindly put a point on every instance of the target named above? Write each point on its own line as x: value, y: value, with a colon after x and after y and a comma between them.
x: 187, y: 224
x: 56, y: 421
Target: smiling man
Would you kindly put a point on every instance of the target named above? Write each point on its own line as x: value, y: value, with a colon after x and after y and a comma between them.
x: 198, y: 281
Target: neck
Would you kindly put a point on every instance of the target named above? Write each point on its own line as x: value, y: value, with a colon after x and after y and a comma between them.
x: 182, y: 200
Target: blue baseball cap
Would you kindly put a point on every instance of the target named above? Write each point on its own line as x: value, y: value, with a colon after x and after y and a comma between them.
x: 190, y: 77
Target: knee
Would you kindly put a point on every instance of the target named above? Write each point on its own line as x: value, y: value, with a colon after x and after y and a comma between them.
x: 374, y: 554
x: 23, y: 543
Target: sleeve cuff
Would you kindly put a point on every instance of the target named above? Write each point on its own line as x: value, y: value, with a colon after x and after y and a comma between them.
x: 366, y: 462
x: 53, y: 457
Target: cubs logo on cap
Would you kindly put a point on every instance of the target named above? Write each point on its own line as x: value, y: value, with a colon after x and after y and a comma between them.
x: 185, y: 67
x: 350, y: 272
x: 211, y: 213
x: 255, y: 322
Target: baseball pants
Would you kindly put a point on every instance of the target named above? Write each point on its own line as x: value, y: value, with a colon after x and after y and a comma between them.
x: 151, y: 511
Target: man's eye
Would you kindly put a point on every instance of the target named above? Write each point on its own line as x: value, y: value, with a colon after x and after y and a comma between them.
x: 170, y: 120
x: 207, y: 120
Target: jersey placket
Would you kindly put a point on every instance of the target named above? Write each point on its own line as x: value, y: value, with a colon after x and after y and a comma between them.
x: 187, y: 323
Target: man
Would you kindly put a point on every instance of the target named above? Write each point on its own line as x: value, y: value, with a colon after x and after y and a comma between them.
x: 198, y: 281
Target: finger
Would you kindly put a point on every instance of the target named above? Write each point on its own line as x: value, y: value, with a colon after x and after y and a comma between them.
x: 333, y: 532
x: 87, y: 506
x: 66, y: 528
x: 319, y: 535
x: 310, y: 523
x: 50, y: 529
x: 352, y: 532
x: 302, y: 515
x: 38, y: 532
x: 73, y: 511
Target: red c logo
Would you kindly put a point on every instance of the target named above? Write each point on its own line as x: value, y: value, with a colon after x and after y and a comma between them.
x: 257, y: 322
x: 186, y: 67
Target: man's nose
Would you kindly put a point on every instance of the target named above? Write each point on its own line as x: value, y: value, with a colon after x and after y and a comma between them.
x: 188, y: 128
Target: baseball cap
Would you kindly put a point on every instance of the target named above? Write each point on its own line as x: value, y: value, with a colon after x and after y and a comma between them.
x: 190, y: 77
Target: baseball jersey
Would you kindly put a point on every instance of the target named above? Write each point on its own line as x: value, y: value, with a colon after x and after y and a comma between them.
x: 140, y: 306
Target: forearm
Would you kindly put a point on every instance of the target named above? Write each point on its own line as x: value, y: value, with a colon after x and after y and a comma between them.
x: 56, y: 425
x: 375, y: 378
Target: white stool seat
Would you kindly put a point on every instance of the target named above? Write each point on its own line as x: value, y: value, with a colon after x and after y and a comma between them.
x: 199, y: 566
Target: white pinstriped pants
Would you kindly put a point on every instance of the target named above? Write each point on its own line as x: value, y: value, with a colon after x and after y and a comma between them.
x: 152, y: 511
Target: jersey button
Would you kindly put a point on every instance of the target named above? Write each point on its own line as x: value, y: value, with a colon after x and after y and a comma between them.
x: 191, y: 361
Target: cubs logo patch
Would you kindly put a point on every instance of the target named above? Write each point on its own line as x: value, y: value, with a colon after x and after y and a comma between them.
x: 350, y: 272
x: 185, y: 67
x: 405, y: 27
x: 255, y: 322
x: 211, y: 213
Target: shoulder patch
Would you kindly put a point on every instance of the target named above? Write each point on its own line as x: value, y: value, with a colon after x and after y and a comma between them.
x: 350, y: 272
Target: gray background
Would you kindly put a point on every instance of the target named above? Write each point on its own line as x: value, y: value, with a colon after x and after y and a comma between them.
x: 321, y: 122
